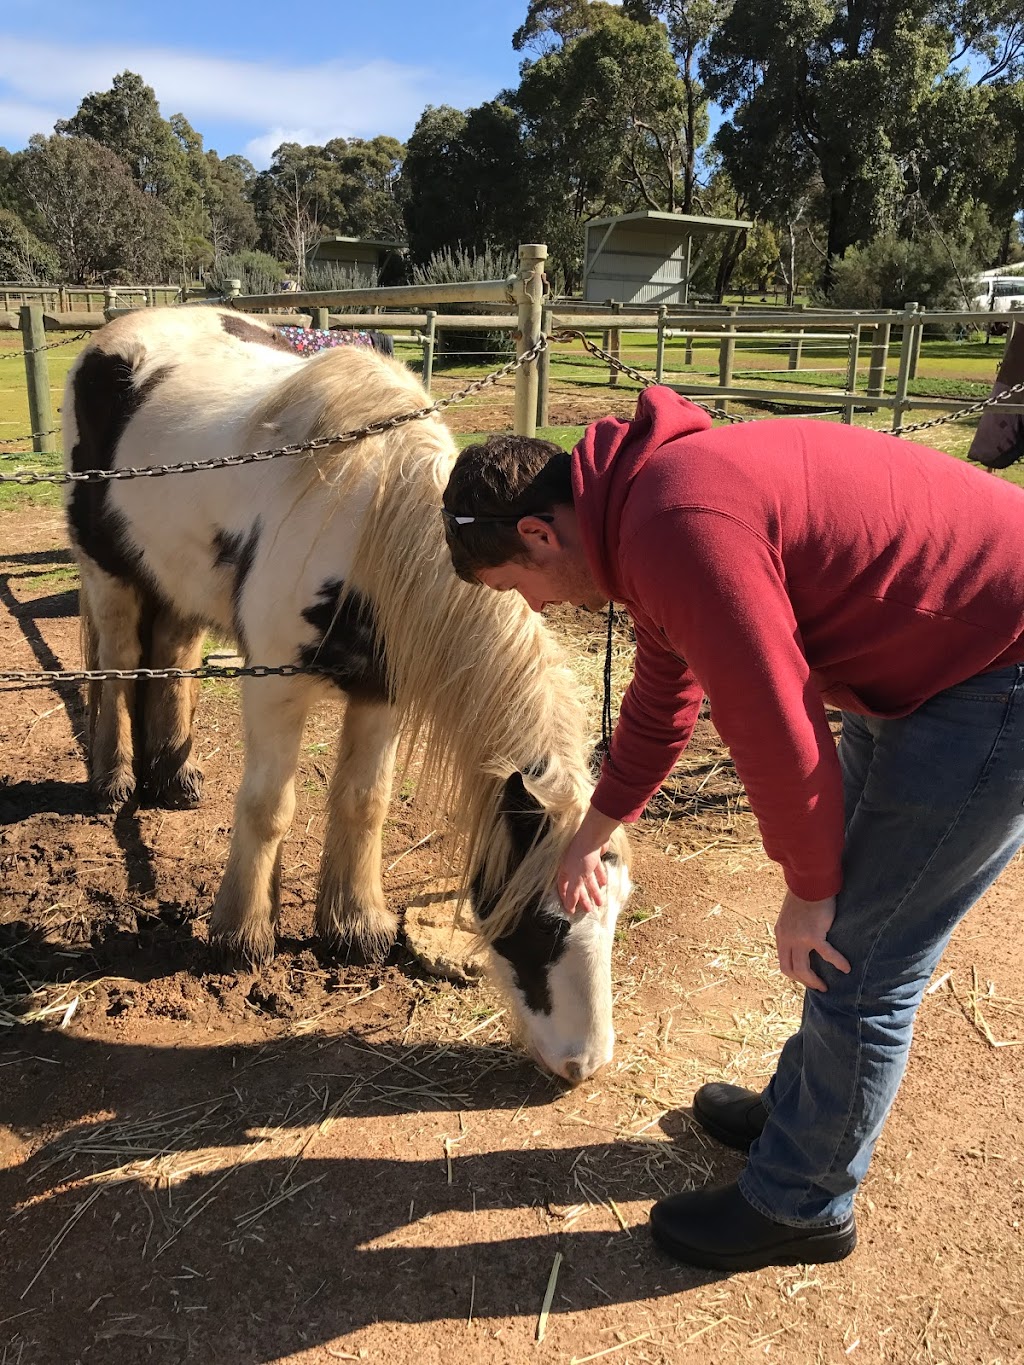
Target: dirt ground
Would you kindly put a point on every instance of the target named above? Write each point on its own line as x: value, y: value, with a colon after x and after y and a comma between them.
x: 322, y: 1163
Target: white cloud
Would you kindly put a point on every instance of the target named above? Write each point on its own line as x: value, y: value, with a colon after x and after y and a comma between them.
x: 20, y: 119
x: 349, y: 99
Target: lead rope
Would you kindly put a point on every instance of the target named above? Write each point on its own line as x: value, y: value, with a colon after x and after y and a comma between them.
x: 607, y: 722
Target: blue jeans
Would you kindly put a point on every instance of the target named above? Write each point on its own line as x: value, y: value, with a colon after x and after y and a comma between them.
x: 934, y: 812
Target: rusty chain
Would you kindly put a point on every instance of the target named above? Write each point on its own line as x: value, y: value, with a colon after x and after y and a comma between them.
x: 48, y: 677
x: 46, y: 346
x: 26, y: 477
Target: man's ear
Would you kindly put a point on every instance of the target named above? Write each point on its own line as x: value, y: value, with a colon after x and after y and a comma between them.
x: 538, y: 534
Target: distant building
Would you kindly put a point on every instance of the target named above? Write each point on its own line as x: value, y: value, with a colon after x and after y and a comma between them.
x: 358, y: 257
x: 648, y: 257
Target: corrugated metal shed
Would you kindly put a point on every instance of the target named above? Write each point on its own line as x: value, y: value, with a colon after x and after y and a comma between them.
x: 648, y: 257
x: 354, y: 255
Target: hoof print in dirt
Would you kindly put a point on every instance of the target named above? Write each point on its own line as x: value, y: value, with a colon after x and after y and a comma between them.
x: 441, y: 936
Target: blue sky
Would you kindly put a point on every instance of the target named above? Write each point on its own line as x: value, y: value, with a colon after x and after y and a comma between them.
x: 249, y: 76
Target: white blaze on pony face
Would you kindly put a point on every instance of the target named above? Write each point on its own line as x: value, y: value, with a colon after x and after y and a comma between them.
x: 576, y: 1036
x: 556, y: 968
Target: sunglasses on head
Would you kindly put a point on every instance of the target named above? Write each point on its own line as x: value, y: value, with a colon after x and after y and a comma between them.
x: 453, y: 520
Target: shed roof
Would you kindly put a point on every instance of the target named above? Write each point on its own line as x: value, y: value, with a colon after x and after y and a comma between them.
x: 357, y: 241
x: 683, y: 224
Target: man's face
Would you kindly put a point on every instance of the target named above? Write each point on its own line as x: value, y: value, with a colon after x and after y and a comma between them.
x: 552, y: 570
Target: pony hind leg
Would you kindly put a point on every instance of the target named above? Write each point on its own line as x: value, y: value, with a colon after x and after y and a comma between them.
x: 247, y: 904
x: 172, y: 780
x: 111, y: 614
x: 352, y: 916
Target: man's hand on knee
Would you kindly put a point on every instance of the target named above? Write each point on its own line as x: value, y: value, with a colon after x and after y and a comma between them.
x: 801, y: 929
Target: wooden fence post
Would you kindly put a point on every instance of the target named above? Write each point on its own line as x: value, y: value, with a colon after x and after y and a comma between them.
x: 659, y: 366
x: 796, y: 350
x: 529, y: 293
x: 726, y: 357
x: 614, y: 347
x: 544, y: 377
x: 879, y: 360
x: 906, y: 352
x: 33, y: 336
x: 429, y: 342
x: 849, y: 407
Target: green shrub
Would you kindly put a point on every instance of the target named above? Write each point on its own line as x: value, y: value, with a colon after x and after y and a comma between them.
x: 459, y: 266
x: 892, y: 271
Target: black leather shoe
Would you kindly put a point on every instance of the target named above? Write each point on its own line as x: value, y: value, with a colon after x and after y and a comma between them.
x: 718, y: 1230
x: 729, y: 1113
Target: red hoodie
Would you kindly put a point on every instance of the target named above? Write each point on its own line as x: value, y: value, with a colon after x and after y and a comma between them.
x: 776, y: 567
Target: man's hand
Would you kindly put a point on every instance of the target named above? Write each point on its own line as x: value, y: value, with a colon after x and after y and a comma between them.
x: 582, y: 876
x: 801, y: 929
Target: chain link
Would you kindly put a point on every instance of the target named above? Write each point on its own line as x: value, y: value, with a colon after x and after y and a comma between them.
x: 572, y: 334
x: 46, y: 346
x: 46, y: 677
x: 29, y: 436
x: 990, y: 402
x: 27, y: 477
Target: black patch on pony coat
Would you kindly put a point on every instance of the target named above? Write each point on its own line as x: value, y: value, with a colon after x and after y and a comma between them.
x: 348, y: 642
x: 105, y: 398
x: 234, y: 550
x: 244, y: 330
x: 539, y: 938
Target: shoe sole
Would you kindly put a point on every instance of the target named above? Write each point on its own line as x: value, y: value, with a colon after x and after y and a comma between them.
x: 728, y: 1137
x: 807, y: 1249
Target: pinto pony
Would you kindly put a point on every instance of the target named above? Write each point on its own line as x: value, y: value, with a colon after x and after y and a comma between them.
x: 336, y: 559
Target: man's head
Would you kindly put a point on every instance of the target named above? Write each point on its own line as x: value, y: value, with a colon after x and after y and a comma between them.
x: 511, y: 525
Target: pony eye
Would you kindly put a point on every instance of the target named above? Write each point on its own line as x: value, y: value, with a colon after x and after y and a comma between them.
x: 612, y: 858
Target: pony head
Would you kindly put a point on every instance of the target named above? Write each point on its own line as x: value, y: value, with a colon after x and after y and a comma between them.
x: 555, y: 968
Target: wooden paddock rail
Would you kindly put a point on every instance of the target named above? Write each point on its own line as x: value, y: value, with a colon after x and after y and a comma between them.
x: 527, y: 313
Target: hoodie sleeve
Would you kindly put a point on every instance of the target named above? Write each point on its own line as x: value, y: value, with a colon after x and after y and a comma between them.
x: 718, y: 592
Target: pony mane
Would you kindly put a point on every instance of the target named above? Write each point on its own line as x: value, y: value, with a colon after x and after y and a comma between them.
x: 476, y: 676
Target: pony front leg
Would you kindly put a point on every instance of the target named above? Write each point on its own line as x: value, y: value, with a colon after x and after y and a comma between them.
x: 172, y: 780
x: 352, y: 916
x: 111, y: 613
x: 247, y: 904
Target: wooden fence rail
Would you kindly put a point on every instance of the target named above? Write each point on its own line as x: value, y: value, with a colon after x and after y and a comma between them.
x: 527, y: 313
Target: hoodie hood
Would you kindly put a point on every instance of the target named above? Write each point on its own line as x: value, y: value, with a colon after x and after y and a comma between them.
x: 608, y: 459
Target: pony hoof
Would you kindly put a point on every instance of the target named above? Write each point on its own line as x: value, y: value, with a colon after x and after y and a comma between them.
x: 235, y: 953
x: 183, y: 790
x: 113, y: 792
x: 358, y: 948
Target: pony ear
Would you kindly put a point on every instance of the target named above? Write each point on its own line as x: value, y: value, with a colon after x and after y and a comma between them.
x: 524, y: 814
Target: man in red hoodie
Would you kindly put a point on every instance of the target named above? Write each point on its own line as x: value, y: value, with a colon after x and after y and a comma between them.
x: 778, y: 568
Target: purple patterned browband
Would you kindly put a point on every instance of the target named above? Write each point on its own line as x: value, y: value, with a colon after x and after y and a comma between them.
x: 309, y: 340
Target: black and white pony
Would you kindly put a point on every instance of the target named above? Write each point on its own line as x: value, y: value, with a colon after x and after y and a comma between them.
x: 338, y: 559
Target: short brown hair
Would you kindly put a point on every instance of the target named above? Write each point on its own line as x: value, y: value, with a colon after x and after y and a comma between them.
x: 504, y: 477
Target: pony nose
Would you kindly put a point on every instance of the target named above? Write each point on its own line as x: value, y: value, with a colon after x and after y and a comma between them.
x: 573, y: 1072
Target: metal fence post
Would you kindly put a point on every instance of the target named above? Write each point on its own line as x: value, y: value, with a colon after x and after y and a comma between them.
x: 33, y: 336
x: 321, y: 319
x: 879, y: 360
x: 851, y: 376
x: 429, y: 342
x: 233, y: 290
x: 544, y: 377
x: 529, y: 294
x: 109, y: 299
x: 726, y: 356
x: 906, y: 352
x: 915, y: 354
x: 659, y: 367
